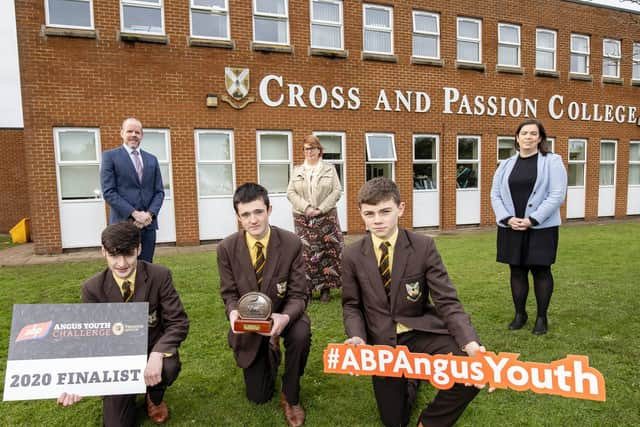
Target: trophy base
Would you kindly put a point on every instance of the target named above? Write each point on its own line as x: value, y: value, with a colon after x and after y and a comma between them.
x: 249, y: 325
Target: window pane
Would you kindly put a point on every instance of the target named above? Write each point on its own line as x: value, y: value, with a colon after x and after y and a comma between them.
x: 576, y: 150
x: 425, y: 176
x: 214, y: 146
x: 271, y: 30
x: 545, y: 39
x: 210, y: 3
x: 578, y: 64
x: 606, y: 174
x: 576, y: 174
x: 610, y: 67
x: 209, y: 24
x: 325, y: 36
x: 467, y: 175
x: 338, y: 167
x: 607, y: 151
x: 468, y: 29
x: 634, y: 152
x: 80, y: 182
x: 579, y: 44
x: 142, y: 19
x: 215, y: 180
x: 426, y: 23
x: 636, y: 52
x: 636, y: 72
x: 77, y: 146
x: 274, y: 147
x: 425, y: 148
x: 506, y: 148
x: 508, y: 55
x: 332, y: 145
x: 166, y: 181
x: 271, y: 6
x: 381, y: 147
x: 509, y: 35
x: 544, y: 60
x: 468, y: 149
x: 326, y: 11
x: 425, y: 46
x: 611, y: 48
x: 634, y: 174
x: 377, y: 17
x: 377, y: 41
x: 70, y: 12
x: 154, y: 143
x: 375, y: 170
x: 275, y: 178
x: 468, y: 51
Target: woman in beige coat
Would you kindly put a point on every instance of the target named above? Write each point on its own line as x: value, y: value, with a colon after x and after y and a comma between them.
x: 313, y: 191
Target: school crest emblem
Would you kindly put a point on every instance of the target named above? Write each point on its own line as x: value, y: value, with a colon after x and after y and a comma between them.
x: 413, y: 291
x: 153, y: 319
x: 281, y: 288
x: 237, y: 83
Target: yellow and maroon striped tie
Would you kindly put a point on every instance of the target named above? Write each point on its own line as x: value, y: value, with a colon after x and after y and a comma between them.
x: 384, y: 267
x: 126, y: 291
x: 260, y: 261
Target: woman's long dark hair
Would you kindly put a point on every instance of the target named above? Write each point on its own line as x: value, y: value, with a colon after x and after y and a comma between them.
x: 543, y: 145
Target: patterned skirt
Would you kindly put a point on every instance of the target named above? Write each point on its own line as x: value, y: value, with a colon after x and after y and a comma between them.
x: 322, y: 244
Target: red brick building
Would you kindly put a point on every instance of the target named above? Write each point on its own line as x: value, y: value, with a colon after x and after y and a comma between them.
x: 426, y: 92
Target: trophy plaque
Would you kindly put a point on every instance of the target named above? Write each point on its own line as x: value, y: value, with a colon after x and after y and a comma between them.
x: 254, y: 313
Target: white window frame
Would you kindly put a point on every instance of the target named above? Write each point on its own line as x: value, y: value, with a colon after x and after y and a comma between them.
x: 609, y: 162
x: 606, y: 57
x: 383, y: 160
x: 434, y: 161
x: 586, y: 54
x: 472, y: 161
x: 551, y: 141
x: 213, y: 10
x: 142, y: 4
x: 167, y: 162
x: 261, y: 162
x: 62, y: 163
x: 435, y: 35
x: 634, y: 162
x: 272, y: 16
x: 200, y: 162
x: 477, y: 41
x: 509, y: 44
x: 342, y: 161
x: 322, y: 23
x: 575, y: 162
x: 553, y: 50
x: 377, y: 29
x: 512, y: 141
x: 635, y: 62
x: 79, y: 27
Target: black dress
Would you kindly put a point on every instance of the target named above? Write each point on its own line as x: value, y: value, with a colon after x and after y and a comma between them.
x: 532, y: 246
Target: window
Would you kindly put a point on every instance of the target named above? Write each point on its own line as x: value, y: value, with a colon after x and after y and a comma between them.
x: 381, y: 153
x: 577, y: 161
x: 332, y: 143
x: 469, y: 40
x: 378, y: 29
x: 142, y: 16
x: 608, y: 162
x: 579, y: 54
x: 552, y: 143
x: 274, y: 160
x: 156, y: 142
x: 634, y: 163
x: 271, y: 21
x: 506, y: 147
x: 468, y: 162
x: 214, y: 151
x: 210, y: 19
x: 509, y: 45
x: 425, y: 162
x: 78, y: 156
x: 611, y: 58
x: 426, y: 35
x: 545, y: 50
x: 326, y: 24
x: 69, y: 13
x: 636, y: 62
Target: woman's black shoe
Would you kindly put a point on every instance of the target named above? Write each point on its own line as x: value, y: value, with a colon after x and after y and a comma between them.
x: 325, y: 297
x: 541, y: 326
x: 518, y: 321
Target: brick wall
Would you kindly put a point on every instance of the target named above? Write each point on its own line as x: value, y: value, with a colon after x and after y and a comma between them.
x: 71, y: 81
x: 13, y: 180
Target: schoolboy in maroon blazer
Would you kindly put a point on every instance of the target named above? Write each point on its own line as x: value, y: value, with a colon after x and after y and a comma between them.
x: 418, y: 307
x: 284, y: 281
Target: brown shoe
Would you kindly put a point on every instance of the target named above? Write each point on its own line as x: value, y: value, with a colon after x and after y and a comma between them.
x: 159, y: 414
x: 293, y: 413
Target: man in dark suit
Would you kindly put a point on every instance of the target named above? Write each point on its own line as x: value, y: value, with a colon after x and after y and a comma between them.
x: 128, y: 279
x: 396, y: 291
x: 269, y: 260
x: 132, y: 185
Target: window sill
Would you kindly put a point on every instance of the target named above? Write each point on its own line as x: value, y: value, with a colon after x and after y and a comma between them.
x: 383, y: 57
x: 202, y: 42
x: 545, y: 73
x: 268, y: 47
x: 69, y: 32
x: 635, y: 82
x: 509, y: 70
x: 145, y: 38
x: 583, y: 77
x: 328, y: 53
x: 612, y: 80
x: 470, y: 66
x: 427, y: 61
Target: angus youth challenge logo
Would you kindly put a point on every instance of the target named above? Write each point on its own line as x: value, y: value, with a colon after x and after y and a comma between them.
x: 237, y: 82
x: 34, y: 331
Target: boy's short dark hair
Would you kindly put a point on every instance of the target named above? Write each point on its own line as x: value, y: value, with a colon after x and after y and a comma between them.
x: 377, y: 190
x: 122, y: 238
x: 248, y: 193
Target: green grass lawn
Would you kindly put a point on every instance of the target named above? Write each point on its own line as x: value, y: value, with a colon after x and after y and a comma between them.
x: 594, y: 312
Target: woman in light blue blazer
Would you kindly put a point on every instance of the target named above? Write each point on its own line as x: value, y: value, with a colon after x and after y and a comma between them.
x: 527, y: 192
